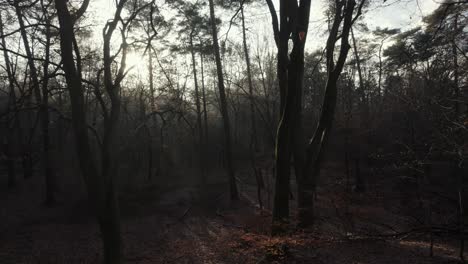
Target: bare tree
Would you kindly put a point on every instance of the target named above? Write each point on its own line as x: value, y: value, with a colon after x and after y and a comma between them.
x: 290, y: 74
x: 100, y: 183
x: 223, y: 105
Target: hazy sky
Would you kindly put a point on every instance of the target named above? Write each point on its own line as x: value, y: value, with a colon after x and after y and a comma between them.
x: 402, y: 14
x: 392, y: 13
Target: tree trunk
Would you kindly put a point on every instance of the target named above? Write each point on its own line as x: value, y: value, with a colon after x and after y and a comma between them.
x: 27, y: 49
x: 27, y: 155
x: 455, y: 68
x: 49, y: 177
x: 315, y: 148
x: 154, y: 117
x: 358, y: 183
x: 379, y: 87
x: 290, y: 130
x: 101, y: 192
x: 253, y: 132
x: 9, y: 162
x: 362, y: 88
x: 205, y: 113
x: 223, y: 105
x: 200, y: 146
x: 283, y: 151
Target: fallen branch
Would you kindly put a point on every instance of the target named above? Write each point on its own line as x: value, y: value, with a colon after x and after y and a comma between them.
x: 180, y: 218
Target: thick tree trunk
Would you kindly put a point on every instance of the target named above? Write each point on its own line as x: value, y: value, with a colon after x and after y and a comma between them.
x: 283, y: 150
x: 100, y: 189
x: 290, y: 134
x: 296, y: 75
x: 224, y: 110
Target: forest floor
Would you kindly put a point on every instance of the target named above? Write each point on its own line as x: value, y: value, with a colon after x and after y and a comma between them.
x: 177, y: 225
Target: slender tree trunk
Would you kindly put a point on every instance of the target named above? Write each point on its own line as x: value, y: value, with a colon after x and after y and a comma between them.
x: 363, y: 103
x: 27, y: 49
x: 249, y: 79
x: 110, y: 217
x: 379, y: 87
x: 223, y: 105
x: 49, y: 177
x: 10, y: 163
x: 61, y: 135
x: 199, y: 115
x: 27, y: 155
x: 455, y: 68
x: 358, y: 184
x: 205, y: 113
x: 154, y: 117
x: 253, y: 132
x: 270, y: 114
x: 315, y: 149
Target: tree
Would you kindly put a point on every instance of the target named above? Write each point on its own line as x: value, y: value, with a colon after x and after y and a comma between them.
x: 39, y: 87
x: 383, y: 34
x: 234, y: 194
x: 100, y: 183
x: 102, y: 194
x: 8, y: 145
x: 290, y: 75
x: 194, y: 26
x: 50, y: 181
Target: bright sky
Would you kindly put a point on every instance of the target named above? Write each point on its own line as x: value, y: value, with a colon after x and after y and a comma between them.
x: 402, y: 14
x: 389, y: 13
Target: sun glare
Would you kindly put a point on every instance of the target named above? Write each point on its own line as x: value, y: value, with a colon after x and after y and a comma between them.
x: 137, y: 64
